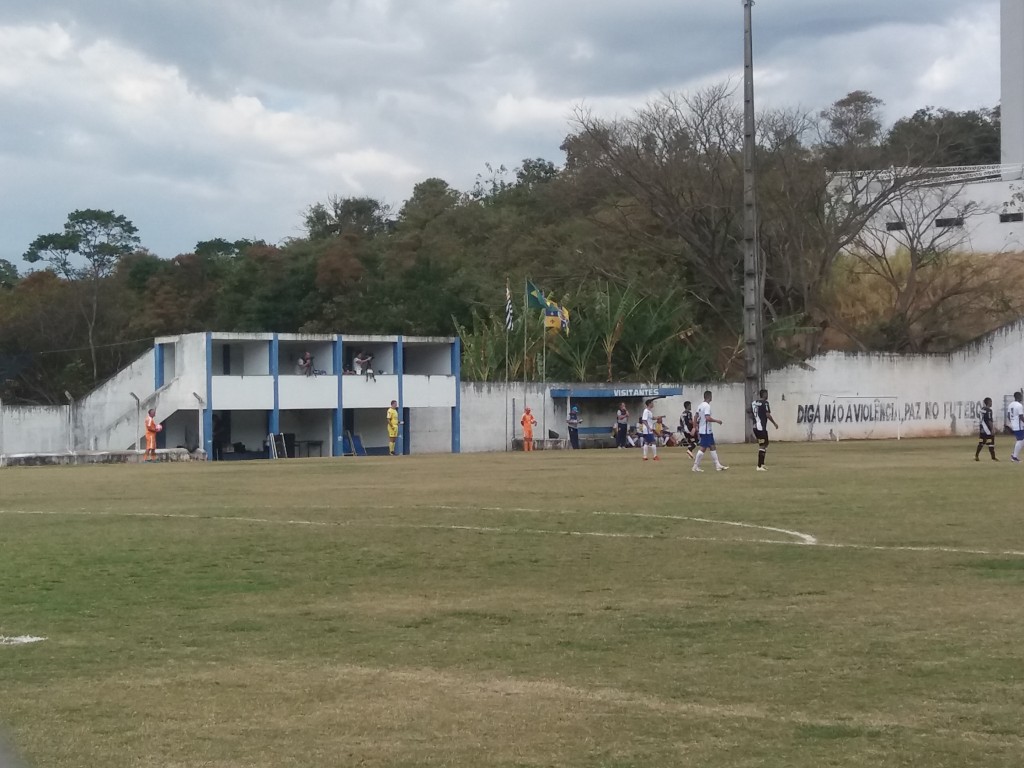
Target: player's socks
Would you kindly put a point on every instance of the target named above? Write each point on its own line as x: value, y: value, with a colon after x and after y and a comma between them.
x: 1016, y: 450
x: 977, y: 453
x: 697, y: 460
x: 644, y: 449
x: 714, y: 456
x: 760, y: 457
x: 992, y: 451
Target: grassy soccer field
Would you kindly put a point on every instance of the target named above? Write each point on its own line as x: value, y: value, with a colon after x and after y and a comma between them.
x: 860, y: 604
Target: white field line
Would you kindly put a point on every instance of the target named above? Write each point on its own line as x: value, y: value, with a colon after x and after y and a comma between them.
x: 20, y: 640
x: 803, y: 539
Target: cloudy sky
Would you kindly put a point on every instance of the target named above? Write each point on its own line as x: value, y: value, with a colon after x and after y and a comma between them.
x: 227, y: 118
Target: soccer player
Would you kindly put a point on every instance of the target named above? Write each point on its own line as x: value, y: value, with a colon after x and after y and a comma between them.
x: 706, y: 434
x: 986, y: 433
x: 393, y: 424
x: 688, y: 429
x: 761, y: 413
x: 1015, y: 415
x: 151, y: 429
x: 647, y: 419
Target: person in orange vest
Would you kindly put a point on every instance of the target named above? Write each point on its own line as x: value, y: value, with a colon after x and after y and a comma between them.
x: 529, y: 422
x: 152, y: 427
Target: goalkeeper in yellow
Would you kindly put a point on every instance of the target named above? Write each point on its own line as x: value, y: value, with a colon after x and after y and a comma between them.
x: 393, y: 425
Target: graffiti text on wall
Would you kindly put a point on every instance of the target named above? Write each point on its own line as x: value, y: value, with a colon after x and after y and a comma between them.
x: 856, y: 411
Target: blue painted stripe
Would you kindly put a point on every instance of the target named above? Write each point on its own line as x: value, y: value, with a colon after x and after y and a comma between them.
x: 274, y: 419
x: 158, y: 366
x: 208, y: 414
x: 457, y: 410
x: 403, y: 444
x: 337, y: 448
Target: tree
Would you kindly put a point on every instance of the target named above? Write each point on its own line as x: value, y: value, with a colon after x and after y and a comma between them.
x: 86, y: 254
x: 347, y: 215
x: 942, y: 137
x: 674, y: 170
x: 851, y: 132
x: 8, y: 274
x: 908, y: 268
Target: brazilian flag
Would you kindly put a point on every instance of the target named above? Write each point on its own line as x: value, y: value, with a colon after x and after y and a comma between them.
x: 535, y: 297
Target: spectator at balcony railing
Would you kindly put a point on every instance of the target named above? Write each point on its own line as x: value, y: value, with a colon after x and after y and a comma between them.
x: 304, y: 367
x: 364, y: 364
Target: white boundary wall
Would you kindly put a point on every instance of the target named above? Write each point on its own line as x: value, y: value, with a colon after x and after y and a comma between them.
x: 852, y: 396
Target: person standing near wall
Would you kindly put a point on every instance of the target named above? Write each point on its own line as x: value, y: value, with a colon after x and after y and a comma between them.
x: 574, y: 422
x: 151, y: 430
x: 529, y: 422
x: 1015, y: 415
x: 621, y: 425
x: 761, y: 414
x: 706, y: 434
x: 393, y: 425
x: 986, y: 431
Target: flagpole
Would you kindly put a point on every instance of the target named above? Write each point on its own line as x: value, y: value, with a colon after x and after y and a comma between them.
x: 508, y: 330
x: 544, y: 381
x: 526, y: 329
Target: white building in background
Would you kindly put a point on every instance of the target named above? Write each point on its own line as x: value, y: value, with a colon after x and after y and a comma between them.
x: 976, y: 209
x: 235, y: 389
x: 1011, y: 69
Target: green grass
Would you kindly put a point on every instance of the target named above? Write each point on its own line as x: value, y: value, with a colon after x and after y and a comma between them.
x: 552, y: 609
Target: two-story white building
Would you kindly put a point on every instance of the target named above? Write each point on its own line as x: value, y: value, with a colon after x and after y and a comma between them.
x: 227, y: 392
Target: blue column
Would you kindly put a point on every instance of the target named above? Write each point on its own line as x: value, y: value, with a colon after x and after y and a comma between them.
x: 208, y: 413
x: 158, y: 366
x: 402, y: 447
x: 274, y: 417
x: 457, y: 410
x: 336, y: 444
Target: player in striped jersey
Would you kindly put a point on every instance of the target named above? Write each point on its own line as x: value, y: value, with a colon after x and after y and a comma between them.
x: 986, y: 432
x: 761, y: 413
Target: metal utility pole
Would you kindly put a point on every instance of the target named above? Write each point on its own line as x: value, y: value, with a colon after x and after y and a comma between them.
x: 753, y: 292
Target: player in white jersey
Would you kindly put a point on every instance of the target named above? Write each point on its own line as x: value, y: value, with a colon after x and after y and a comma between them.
x: 647, y: 421
x: 706, y: 434
x: 1015, y: 416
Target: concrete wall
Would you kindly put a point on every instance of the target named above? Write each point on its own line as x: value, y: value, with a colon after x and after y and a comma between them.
x: 34, y: 429
x: 427, y: 360
x: 848, y: 396
x: 877, y: 396
x: 106, y: 417
x: 431, y: 430
x: 983, y: 231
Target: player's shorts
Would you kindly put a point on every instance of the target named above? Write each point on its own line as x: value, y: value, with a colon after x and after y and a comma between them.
x: 989, y: 439
x: 706, y: 441
x: 649, y: 438
x: 762, y: 436
x: 1019, y: 434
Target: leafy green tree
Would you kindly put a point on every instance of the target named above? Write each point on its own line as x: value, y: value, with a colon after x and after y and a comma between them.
x: 942, y: 137
x: 344, y: 215
x: 86, y: 252
x: 8, y: 274
x: 851, y: 134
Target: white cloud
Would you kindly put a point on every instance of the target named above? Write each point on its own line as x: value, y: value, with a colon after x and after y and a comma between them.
x: 200, y: 119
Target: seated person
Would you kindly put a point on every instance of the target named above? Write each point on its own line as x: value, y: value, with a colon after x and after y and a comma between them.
x: 364, y: 364
x: 304, y: 366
